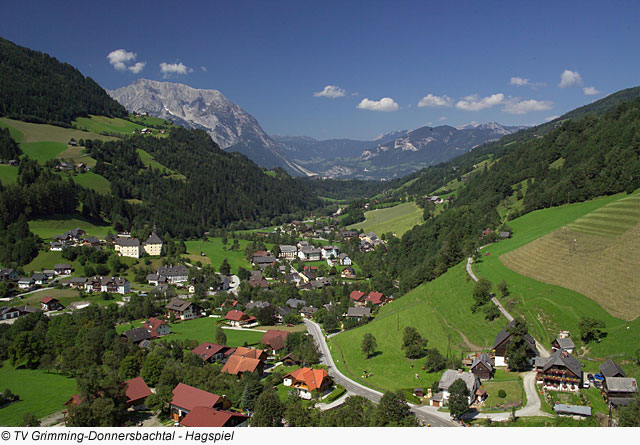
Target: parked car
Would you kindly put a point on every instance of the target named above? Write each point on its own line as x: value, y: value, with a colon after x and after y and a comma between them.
x: 590, y: 377
x: 586, y: 384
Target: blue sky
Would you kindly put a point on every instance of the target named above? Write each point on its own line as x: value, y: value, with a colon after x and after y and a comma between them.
x: 387, y: 65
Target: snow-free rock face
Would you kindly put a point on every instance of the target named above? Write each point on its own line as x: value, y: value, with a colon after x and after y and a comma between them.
x: 231, y: 127
x: 227, y: 123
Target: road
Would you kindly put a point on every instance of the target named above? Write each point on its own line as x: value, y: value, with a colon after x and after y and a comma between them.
x: 428, y: 414
x: 541, y: 349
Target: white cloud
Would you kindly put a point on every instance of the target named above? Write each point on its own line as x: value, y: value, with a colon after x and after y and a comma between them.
x: 520, y: 81
x: 330, y: 91
x: 590, y: 91
x: 442, y: 118
x: 516, y: 106
x: 384, y: 104
x: 137, y: 67
x: 203, y: 68
x: 570, y: 78
x: 550, y: 118
x: 474, y: 103
x: 431, y: 100
x: 174, y: 68
x: 120, y: 57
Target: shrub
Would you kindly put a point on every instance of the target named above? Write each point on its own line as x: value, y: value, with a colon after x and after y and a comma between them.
x: 502, y: 394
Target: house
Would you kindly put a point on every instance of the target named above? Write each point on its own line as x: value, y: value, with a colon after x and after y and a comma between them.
x: 563, y: 343
x: 39, y: 278
x: 56, y: 246
x: 240, y: 364
x: 329, y: 252
x: 136, y: 335
x: 358, y: 312
x: 357, y: 297
x: 186, y: 398
x: 308, y: 311
x: 115, y: 285
x: 503, y: 338
x: 611, y: 369
x: 288, y: 252
x: 201, y: 416
x: 263, y: 261
x: 77, y: 282
x: 248, y: 352
x: 344, y: 259
x: 174, y: 274
x: 26, y: 283
x: 320, y: 283
x: 153, y: 245
x: 156, y: 327
x: 282, y: 312
x: 128, y: 247
x: 50, y: 304
x: 137, y: 392
x: 257, y: 305
x: 182, y: 309
x: 561, y: 371
x: 239, y: 319
x: 309, y: 253
x: 348, y: 272
x: 93, y: 284
x: 62, y: 269
x: 228, y: 303
x: 259, y: 282
x: 306, y: 380
x: 376, y: 298
x: 210, y: 352
x: 8, y: 275
x: 619, y: 391
x: 7, y: 313
x: 295, y: 303
x: 447, y: 379
x: 482, y: 367
x: 504, y: 235
x: 275, y: 339
x: 155, y: 280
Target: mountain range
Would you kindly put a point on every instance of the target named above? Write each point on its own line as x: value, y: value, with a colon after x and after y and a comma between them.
x: 388, y: 156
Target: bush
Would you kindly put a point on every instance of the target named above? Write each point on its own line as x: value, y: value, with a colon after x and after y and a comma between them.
x: 502, y: 394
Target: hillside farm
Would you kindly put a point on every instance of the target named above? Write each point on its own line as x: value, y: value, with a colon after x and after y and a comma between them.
x: 596, y: 255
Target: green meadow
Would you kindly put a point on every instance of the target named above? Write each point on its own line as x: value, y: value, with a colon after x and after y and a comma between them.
x: 440, y: 310
x: 93, y: 181
x: 550, y: 308
x: 48, y: 228
x: 397, y: 219
x: 25, y: 132
x: 43, y: 151
x: 41, y: 393
x: 216, y: 252
x: 103, y: 124
x: 8, y: 174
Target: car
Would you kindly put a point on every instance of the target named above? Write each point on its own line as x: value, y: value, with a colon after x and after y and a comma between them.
x: 597, y: 384
x: 590, y: 377
x: 586, y: 384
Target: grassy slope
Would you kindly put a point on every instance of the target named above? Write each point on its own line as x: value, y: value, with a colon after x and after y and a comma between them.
x: 42, y: 133
x: 48, y: 228
x: 203, y: 329
x: 550, y: 308
x: 440, y: 310
x: 8, y: 174
x: 76, y: 155
x: 41, y: 393
x: 93, y: 181
x: 102, y: 124
x: 396, y: 219
x: 215, y: 251
x: 43, y: 151
x: 595, y: 256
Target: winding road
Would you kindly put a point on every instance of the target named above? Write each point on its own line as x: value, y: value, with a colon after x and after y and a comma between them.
x: 430, y: 415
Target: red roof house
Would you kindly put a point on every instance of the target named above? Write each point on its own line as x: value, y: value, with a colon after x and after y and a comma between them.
x: 376, y: 298
x: 357, y: 296
x: 306, y: 380
x: 210, y: 352
x: 50, y: 304
x: 202, y: 416
x: 137, y: 391
x: 186, y: 398
x: 238, y: 365
x: 274, y: 339
x: 238, y: 318
x: 156, y: 327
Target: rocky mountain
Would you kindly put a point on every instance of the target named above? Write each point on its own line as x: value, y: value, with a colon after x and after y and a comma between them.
x: 391, y: 155
x: 232, y: 128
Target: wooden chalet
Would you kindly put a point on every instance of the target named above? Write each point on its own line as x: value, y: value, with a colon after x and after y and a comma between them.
x: 503, y: 338
x: 561, y: 371
x: 482, y: 367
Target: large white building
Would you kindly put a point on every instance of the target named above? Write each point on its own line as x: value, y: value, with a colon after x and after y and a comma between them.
x: 129, y: 247
x: 153, y: 245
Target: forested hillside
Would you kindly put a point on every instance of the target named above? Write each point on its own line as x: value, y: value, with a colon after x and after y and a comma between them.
x: 220, y: 188
x: 37, y: 87
x: 579, y: 160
